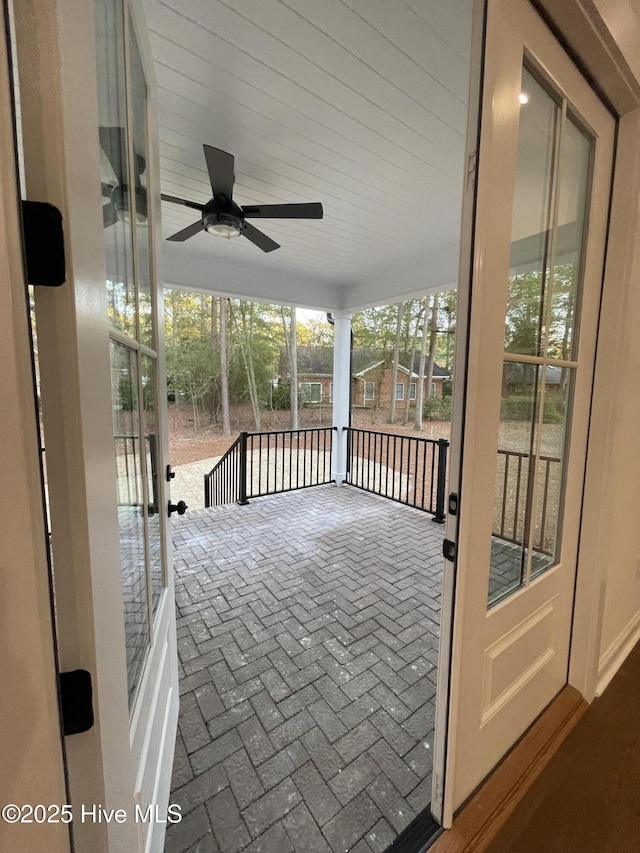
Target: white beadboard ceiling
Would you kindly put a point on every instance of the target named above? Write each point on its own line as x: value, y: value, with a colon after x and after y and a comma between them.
x: 359, y: 104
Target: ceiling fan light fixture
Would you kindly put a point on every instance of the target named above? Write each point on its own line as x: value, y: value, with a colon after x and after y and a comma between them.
x: 122, y: 205
x: 222, y: 224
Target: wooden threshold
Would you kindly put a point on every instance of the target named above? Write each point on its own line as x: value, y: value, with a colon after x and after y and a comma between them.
x: 483, y: 815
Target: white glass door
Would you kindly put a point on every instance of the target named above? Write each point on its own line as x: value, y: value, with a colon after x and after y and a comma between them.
x: 543, y: 179
x: 85, y: 88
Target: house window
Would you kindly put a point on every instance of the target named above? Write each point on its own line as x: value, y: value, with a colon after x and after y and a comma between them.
x: 412, y: 391
x: 331, y: 392
x: 399, y: 390
x: 311, y: 392
x: 369, y: 391
x: 433, y: 389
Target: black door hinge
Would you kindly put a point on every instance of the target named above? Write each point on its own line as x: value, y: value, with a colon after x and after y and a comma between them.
x: 76, y: 698
x: 449, y: 550
x: 43, y: 244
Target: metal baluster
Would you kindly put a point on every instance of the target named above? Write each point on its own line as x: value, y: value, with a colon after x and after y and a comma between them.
x: 543, y: 523
x: 505, y: 492
x: 443, y: 444
x: 515, y: 514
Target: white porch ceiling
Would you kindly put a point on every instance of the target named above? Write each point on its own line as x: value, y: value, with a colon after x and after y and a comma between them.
x: 359, y: 104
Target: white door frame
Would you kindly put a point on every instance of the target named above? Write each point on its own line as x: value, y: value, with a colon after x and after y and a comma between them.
x: 608, y: 52
x: 30, y: 737
x: 442, y: 742
x: 77, y: 412
x: 486, y: 350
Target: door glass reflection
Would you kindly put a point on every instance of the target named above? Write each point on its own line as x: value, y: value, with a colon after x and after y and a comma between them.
x: 124, y: 395
x: 150, y: 421
x: 551, y: 194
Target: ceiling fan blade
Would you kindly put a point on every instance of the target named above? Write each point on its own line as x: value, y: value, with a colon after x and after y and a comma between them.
x: 113, y: 141
x: 259, y: 239
x: 220, y: 167
x: 284, y: 211
x: 109, y: 216
x: 189, y: 231
x: 183, y: 201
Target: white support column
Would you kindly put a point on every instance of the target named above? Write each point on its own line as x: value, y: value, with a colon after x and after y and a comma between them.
x: 341, y: 388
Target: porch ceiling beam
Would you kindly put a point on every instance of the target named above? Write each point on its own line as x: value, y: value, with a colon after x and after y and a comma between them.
x: 407, y: 278
x: 190, y: 269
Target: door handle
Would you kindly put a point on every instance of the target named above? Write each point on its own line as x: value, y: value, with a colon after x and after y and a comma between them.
x: 180, y: 508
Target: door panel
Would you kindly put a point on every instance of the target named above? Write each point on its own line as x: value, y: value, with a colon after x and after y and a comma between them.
x: 84, y: 124
x: 544, y: 172
x: 31, y: 745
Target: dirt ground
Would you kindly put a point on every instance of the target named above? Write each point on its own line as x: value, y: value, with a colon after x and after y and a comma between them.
x: 190, y: 445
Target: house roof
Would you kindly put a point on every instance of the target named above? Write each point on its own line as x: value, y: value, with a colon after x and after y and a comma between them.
x: 438, y: 372
x: 318, y: 361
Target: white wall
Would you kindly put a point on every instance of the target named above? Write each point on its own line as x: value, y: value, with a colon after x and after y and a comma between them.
x: 619, y: 358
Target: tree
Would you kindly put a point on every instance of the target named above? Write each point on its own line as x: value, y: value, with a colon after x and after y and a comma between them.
x: 224, y: 367
x: 192, y: 372
x: 243, y: 316
x: 423, y: 355
x: 432, y: 348
x: 396, y: 358
x: 421, y: 317
x: 291, y: 351
x: 375, y: 328
x: 445, y: 341
x: 315, y: 332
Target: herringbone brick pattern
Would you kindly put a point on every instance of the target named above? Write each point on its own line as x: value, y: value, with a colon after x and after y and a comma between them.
x: 307, y: 633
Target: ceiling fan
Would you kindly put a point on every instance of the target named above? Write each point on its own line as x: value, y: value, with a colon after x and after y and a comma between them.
x: 223, y: 217
x: 115, y: 183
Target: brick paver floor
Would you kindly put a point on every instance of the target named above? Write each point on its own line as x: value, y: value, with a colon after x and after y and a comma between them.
x: 307, y: 633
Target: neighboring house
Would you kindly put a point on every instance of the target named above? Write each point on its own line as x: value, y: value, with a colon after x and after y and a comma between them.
x: 371, y: 379
x: 372, y: 386
x: 315, y: 372
x: 518, y: 378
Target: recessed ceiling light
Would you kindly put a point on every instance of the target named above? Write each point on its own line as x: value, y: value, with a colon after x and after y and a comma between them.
x: 523, y: 98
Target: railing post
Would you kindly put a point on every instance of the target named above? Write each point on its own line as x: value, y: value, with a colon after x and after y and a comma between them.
x: 207, y: 491
x: 443, y: 445
x: 349, y: 450
x: 242, y: 496
x: 341, y: 393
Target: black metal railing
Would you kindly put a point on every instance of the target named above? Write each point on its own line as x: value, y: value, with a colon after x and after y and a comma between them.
x: 403, y: 468
x: 267, y: 463
x: 222, y: 483
x: 129, y: 470
x: 516, y: 472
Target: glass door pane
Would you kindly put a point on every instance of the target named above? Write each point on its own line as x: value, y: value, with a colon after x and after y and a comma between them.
x: 150, y: 425
x: 139, y: 138
x: 114, y: 165
x: 124, y: 144
x: 131, y: 497
x: 551, y: 193
x: 532, y: 218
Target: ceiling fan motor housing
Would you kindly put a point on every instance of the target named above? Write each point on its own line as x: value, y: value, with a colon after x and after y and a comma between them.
x: 223, y: 218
